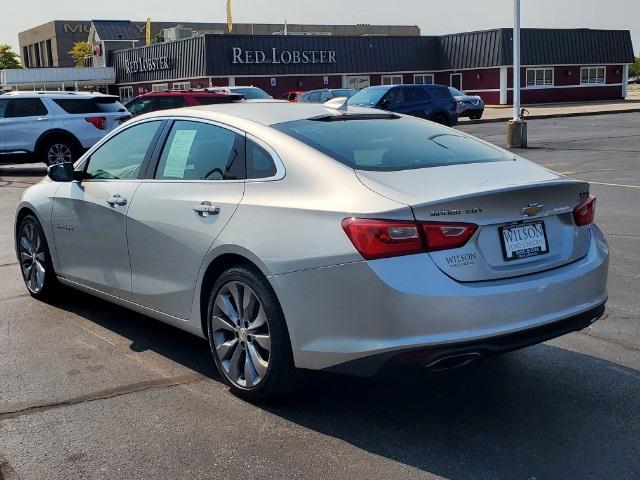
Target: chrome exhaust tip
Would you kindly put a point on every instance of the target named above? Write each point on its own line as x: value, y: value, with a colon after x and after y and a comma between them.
x: 452, y: 361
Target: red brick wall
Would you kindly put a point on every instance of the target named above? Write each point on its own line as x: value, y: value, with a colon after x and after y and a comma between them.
x: 286, y: 84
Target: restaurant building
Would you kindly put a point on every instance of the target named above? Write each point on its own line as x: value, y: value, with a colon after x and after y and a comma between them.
x: 557, y: 64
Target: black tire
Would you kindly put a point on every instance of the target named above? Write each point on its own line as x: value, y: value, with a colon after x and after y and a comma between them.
x: 49, y: 280
x: 439, y: 118
x: 58, y: 150
x: 281, y: 377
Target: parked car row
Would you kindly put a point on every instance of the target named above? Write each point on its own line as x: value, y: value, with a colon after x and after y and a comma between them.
x: 56, y: 127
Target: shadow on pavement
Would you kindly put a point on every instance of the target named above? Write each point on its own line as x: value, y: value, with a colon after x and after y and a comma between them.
x: 543, y: 412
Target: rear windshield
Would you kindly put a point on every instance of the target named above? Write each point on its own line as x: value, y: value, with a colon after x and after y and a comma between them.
x: 390, y: 144
x: 89, y: 105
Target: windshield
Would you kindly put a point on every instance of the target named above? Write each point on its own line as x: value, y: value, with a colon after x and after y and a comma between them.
x: 344, y: 93
x: 455, y: 92
x: 390, y: 144
x: 368, y: 97
x: 252, y: 93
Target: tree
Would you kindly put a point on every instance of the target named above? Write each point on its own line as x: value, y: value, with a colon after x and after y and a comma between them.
x: 634, y: 69
x: 158, y: 37
x: 79, y: 52
x: 8, y: 58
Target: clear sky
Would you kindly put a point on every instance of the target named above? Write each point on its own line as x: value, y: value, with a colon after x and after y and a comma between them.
x: 433, y: 16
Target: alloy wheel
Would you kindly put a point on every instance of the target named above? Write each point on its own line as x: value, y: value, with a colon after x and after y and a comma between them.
x: 59, y: 153
x: 32, y: 257
x: 241, y: 336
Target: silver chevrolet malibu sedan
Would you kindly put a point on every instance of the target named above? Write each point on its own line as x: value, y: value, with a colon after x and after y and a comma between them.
x: 302, y: 236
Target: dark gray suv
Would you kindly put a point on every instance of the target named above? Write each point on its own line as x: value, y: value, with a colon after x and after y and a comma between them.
x: 433, y: 102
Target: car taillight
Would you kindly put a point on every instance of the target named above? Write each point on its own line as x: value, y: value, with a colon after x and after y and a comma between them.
x: 442, y: 236
x: 376, y: 239
x: 585, y: 212
x: 99, y: 122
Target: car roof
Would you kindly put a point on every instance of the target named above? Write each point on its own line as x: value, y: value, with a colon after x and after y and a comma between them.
x: 183, y: 93
x: 55, y: 94
x: 266, y: 112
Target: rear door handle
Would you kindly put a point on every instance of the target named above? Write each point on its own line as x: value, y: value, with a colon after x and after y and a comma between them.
x: 205, y: 209
x: 117, y: 200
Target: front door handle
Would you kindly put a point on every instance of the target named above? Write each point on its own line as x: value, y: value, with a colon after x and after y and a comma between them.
x: 117, y: 200
x: 205, y: 209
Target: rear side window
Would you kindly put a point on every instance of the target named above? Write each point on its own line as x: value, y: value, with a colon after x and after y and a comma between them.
x: 200, y: 151
x: 25, y: 107
x: 390, y: 144
x: 88, y: 105
x: 3, y: 107
x: 259, y: 162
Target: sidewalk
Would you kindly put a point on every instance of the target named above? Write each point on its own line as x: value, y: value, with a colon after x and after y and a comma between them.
x: 502, y: 113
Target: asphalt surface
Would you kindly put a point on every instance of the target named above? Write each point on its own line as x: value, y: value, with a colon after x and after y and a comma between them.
x: 90, y: 390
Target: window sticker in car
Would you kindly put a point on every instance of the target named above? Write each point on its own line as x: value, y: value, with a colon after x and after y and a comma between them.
x: 179, y: 153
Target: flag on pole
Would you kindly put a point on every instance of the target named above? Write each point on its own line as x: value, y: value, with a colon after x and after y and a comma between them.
x: 229, y: 17
x: 148, y: 32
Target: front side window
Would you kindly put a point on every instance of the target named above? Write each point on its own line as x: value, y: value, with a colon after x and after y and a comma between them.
x: 25, y: 107
x: 200, y: 151
x: 3, y: 107
x: 394, y: 97
x: 122, y: 156
x: 324, y: 96
x: 390, y: 144
x: 416, y: 94
x: 167, y: 103
x: 140, y: 106
x: 592, y: 75
x: 539, y: 77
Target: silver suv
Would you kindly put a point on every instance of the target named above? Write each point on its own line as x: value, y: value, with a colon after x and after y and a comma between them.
x: 55, y: 127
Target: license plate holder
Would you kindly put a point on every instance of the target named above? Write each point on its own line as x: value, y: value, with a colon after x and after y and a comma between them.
x: 523, y: 240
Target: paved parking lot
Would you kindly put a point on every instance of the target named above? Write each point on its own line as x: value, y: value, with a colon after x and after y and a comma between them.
x: 89, y: 390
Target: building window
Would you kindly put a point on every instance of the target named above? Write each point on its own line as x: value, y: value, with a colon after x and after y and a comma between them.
x: 126, y: 94
x: 423, y: 79
x: 182, y: 86
x: 159, y: 87
x: 358, y: 82
x: 392, y: 80
x: 539, y: 77
x: 592, y: 75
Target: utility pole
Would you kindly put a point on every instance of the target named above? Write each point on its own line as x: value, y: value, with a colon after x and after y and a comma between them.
x: 517, y: 127
x: 516, y: 60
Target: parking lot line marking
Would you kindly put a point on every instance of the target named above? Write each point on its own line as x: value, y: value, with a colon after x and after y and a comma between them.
x: 94, y: 333
x: 615, y: 185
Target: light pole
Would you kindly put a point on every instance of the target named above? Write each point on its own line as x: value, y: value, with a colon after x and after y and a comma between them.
x: 517, y: 127
x: 516, y: 59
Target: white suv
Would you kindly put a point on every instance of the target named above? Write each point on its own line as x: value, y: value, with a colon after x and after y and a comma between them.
x: 55, y: 127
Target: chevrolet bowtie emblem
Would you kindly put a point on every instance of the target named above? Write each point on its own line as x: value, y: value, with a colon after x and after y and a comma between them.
x: 532, y: 210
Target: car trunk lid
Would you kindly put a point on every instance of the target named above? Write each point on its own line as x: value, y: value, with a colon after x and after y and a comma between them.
x: 523, y: 213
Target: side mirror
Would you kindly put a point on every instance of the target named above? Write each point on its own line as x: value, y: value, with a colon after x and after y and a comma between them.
x: 61, y: 172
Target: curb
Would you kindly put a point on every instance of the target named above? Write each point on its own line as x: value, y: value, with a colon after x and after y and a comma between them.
x: 550, y: 115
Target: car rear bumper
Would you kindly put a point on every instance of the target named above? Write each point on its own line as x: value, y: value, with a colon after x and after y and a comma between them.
x: 337, y: 315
